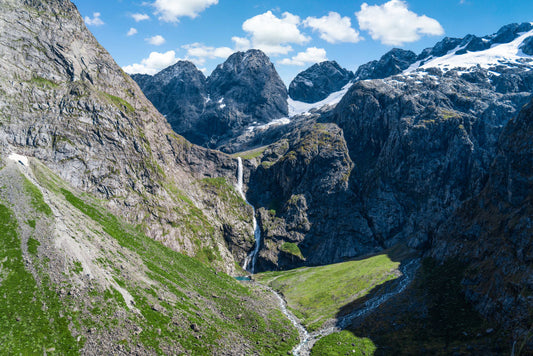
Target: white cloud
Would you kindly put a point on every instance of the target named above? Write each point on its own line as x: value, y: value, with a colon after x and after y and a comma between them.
x: 172, y: 10
x: 153, y: 64
x: 393, y: 24
x: 140, y: 17
x: 241, y: 43
x: 311, y: 55
x: 198, y: 53
x: 273, y: 34
x: 157, y: 40
x: 95, y: 21
x: 333, y: 28
x: 132, y: 31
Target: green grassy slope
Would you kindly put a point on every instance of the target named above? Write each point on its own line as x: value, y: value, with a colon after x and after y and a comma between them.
x: 316, y: 294
x: 68, y: 269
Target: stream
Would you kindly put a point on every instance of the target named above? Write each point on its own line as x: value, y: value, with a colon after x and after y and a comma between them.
x: 336, y: 325
x: 307, y: 340
x: 252, y: 257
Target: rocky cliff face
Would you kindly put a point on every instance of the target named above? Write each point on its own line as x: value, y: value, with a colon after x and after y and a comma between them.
x: 66, y: 102
x: 307, y: 212
x: 422, y: 147
x: 244, y: 90
x: 492, y: 233
x: 318, y: 81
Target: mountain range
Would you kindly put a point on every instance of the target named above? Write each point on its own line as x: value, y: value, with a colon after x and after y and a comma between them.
x: 120, y: 235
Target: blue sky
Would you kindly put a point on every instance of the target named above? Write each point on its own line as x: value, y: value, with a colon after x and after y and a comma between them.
x: 148, y: 35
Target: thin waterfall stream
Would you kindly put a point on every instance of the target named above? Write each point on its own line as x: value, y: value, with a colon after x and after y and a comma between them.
x: 252, y: 257
x: 307, y: 340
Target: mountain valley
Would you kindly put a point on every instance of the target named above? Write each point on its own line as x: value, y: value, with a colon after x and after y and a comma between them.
x: 386, y: 210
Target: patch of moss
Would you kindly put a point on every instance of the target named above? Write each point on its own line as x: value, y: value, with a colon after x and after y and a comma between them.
x: 119, y: 103
x: 292, y: 248
x: 43, y: 82
x: 251, y: 154
x: 33, y: 245
x: 343, y: 343
x: 36, y: 198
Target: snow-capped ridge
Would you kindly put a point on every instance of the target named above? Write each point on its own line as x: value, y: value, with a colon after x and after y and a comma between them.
x: 496, y: 54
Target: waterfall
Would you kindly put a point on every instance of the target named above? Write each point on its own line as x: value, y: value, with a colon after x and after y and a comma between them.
x: 252, y: 256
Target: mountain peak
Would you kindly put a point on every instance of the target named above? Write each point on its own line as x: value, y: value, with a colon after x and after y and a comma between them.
x: 318, y: 81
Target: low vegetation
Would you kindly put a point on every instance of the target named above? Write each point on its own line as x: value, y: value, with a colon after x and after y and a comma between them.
x: 316, y: 294
x: 343, y: 343
x: 186, y: 305
x: 32, y: 318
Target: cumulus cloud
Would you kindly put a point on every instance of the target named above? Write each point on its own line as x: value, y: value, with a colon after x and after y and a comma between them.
x: 172, y: 10
x: 198, y: 52
x: 333, y: 28
x: 272, y: 34
x: 241, y: 43
x: 153, y: 64
x: 140, y: 17
x: 311, y: 55
x: 95, y: 21
x: 132, y: 31
x: 157, y: 40
x: 394, y: 24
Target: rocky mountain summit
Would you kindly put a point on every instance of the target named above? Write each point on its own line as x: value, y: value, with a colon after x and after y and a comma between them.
x: 179, y: 92
x: 397, y: 60
x: 245, y: 90
x: 318, y: 81
x: 393, y: 62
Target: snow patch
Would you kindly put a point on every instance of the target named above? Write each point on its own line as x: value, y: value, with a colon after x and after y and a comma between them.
x: 299, y: 107
x: 276, y: 122
x: 19, y: 158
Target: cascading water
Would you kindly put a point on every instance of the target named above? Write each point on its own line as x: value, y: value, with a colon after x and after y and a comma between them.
x: 307, y: 340
x: 252, y: 257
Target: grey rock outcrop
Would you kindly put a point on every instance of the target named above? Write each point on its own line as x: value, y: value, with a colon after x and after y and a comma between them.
x: 527, y: 46
x: 318, y: 81
x: 420, y: 148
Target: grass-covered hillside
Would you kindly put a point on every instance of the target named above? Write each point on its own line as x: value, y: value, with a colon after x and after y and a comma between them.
x: 75, y: 278
x: 318, y: 294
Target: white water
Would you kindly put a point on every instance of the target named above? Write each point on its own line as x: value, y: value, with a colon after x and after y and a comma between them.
x: 307, y: 342
x: 252, y: 257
